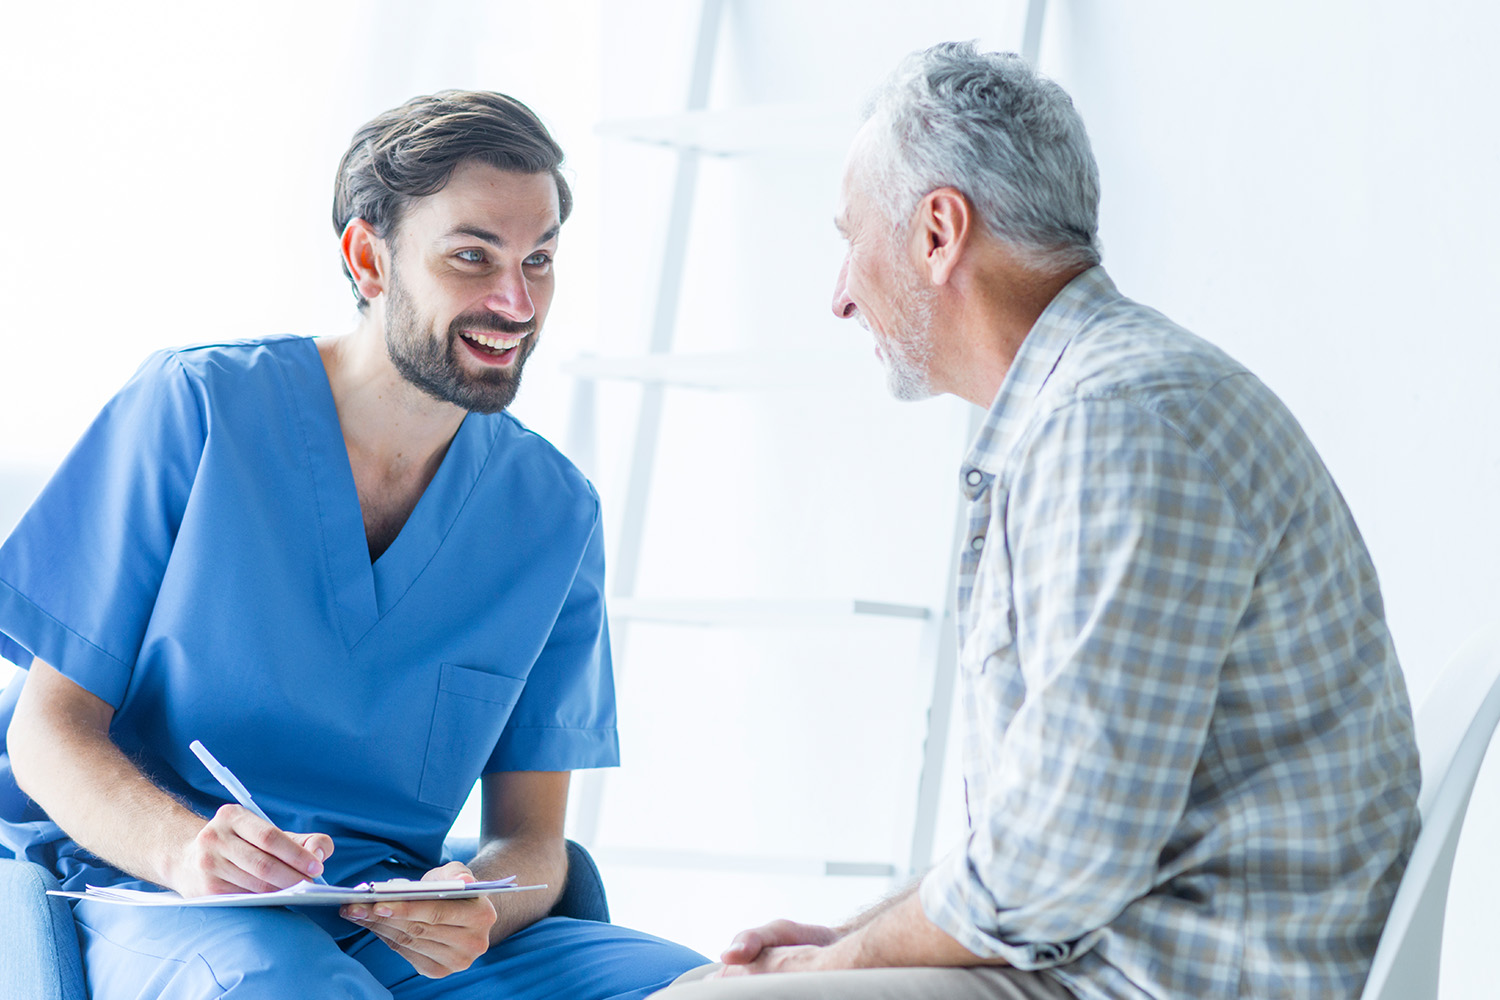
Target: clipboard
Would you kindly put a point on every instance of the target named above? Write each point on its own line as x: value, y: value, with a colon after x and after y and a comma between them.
x: 307, y: 893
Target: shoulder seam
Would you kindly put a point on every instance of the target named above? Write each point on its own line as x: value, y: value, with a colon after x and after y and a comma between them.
x: 193, y: 381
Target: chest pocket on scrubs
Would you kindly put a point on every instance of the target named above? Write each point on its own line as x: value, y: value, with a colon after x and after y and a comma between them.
x: 471, y: 711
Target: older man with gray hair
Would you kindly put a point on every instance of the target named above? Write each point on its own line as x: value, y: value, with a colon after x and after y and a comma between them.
x: 1188, y: 760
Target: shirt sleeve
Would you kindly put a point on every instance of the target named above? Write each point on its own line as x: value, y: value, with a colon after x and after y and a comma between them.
x: 565, y: 716
x: 80, y: 574
x: 1129, y: 573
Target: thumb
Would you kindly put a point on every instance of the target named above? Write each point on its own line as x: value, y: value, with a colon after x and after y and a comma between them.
x: 453, y: 869
x: 320, y: 845
x: 743, y: 949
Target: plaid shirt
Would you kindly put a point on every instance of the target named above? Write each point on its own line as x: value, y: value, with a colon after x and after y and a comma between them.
x: 1189, y: 761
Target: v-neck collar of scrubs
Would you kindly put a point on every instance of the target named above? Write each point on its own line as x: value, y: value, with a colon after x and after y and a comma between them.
x: 364, y: 592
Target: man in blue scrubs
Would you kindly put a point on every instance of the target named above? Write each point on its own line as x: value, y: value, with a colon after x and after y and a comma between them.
x: 364, y: 586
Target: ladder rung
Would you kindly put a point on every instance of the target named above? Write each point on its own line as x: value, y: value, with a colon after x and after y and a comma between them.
x: 734, y: 371
x: 645, y: 857
x: 737, y: 131
x: 830, y: 611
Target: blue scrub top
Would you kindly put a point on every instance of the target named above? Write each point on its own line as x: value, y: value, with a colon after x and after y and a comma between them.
x: 199, y: 562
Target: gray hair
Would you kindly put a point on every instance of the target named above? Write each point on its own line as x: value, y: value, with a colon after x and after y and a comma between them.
x: 1008, y: 139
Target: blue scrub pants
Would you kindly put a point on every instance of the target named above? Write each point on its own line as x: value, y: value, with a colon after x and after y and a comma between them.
x: 133, y: 953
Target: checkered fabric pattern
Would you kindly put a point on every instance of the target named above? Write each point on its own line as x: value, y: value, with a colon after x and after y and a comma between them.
x: 1189, y: 759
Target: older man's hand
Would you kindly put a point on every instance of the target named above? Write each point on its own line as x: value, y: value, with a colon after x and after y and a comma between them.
x: 779, y: 946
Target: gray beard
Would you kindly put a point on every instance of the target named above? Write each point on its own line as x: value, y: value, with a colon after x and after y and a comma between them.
x: 906, y: 377
x: 908, y: 363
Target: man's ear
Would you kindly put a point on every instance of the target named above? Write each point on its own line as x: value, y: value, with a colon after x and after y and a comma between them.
x: 944, y: 223
x: 364, y: 256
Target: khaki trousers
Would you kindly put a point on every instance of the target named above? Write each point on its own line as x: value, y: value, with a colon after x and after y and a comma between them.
x: 981, y: 983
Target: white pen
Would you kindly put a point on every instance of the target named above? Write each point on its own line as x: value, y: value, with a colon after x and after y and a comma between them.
x: 241, y: 794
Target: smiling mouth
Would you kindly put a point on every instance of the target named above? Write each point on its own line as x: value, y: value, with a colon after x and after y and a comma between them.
x: 497, y: 346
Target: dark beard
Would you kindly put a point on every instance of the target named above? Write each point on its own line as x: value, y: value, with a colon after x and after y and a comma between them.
x: 432, y: 365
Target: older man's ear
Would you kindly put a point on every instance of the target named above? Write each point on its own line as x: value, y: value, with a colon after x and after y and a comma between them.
x: 944, y: 223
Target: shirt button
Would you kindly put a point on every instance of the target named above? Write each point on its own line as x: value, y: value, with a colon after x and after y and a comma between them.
x: 975, y: 477
x: 976, y: 543
x: 1049, y: 952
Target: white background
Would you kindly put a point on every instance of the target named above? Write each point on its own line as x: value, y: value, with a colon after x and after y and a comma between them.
x: 1310, y: 185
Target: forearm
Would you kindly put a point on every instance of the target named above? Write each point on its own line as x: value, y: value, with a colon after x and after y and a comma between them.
x: 66, y: 762
x: 870, y: 914
x: 894, y: 933
x: 900, y: 935
x: 534, y: 860
x: 62, y: 756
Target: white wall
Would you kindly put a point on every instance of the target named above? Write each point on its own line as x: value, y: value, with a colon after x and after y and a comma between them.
x: 169, y: 171
x: 1308, y: 185
x: 1312, y: 187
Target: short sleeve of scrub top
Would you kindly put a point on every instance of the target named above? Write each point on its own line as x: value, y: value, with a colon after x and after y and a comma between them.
x: 80, y: 573
x: 552, y: 726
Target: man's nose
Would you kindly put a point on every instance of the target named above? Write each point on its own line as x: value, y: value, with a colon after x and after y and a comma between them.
x: 843, y: 305
x: 510, y: 296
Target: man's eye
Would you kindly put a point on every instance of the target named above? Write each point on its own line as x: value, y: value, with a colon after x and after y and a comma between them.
x: 471, y: 256
x: 538, y: 260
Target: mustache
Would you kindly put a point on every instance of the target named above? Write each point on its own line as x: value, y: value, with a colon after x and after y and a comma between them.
x: 490, y: 323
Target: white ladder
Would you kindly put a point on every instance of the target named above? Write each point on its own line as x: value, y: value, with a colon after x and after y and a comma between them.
x: 692, y: 134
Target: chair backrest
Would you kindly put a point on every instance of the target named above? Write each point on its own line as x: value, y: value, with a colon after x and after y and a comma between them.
x: 1454, y: 725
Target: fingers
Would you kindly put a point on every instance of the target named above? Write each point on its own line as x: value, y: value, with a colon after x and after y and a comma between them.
x: 275, y: 856
x: 432, y: 957
x: 748, y: 944
x: 744, y: 948
x: 784, y: 958
x: 452, y: 870
x: 432, y: 912
x: 237, y: 851
x: 756, y: 966
x: 319, y: 845
x: 438, y: 937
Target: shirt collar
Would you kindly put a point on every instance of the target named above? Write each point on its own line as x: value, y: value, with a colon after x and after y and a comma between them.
x: 1033, y: 365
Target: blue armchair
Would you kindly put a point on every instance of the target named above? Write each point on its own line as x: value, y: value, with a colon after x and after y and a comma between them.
x: 39, y: 943
x: 39, y: 958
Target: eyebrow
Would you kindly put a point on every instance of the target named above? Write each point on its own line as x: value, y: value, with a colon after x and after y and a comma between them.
x: 495, y: 239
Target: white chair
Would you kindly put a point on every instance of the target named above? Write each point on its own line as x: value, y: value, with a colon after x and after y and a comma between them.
x: 1454, y: 725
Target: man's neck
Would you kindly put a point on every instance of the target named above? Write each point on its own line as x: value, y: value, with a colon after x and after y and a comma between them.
x: 396, y: 435
x: 388, y: 424
x: 995, y: 309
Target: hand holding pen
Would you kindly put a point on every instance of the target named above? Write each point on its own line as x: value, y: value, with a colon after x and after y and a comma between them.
x: 241, y: 850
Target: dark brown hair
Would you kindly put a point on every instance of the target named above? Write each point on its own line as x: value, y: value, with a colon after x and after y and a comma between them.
x: 411, y: 151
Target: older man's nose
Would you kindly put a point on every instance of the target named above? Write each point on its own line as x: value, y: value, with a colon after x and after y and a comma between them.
x: 843, y: 305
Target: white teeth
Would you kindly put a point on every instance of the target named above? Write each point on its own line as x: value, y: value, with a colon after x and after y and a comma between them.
x: 495, y: 343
